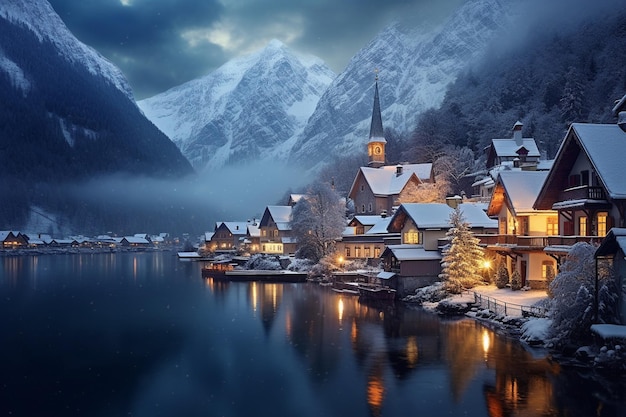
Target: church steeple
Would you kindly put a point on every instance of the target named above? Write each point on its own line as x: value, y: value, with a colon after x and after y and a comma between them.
x: 376, y: 144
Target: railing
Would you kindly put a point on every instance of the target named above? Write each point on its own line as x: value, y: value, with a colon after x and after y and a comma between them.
x: 571, y: 240
x: 583, y: 192
x: 508, y: 309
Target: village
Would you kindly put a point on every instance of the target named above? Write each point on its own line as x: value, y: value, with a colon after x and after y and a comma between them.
x: 525, y: 212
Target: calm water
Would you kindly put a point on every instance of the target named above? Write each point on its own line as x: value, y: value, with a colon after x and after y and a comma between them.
x: 145, y: 335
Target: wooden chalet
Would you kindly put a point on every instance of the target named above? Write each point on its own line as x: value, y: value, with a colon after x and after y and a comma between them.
x: 422, y: 227
x: 523, y: 231
x: 586, y: 185
x: 275, y: 231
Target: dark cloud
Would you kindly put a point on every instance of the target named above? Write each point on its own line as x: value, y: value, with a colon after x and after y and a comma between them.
x: 159, y: 44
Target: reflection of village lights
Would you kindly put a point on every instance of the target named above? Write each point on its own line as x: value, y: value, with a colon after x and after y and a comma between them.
x: 412, y: 351
x: 375, y: 393
x: 340, y: 309
x: 381, y: 315
x: 353, y: 332
x: 486, y: 342
x: 254, y: 296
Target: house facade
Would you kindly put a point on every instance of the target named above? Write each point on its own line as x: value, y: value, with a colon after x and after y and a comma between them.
x: 416, y: 260
x: 228, y: 236
x: 365, y: 239
x: 275, y: 231
x: 523, y: 231
x: 585, y: 185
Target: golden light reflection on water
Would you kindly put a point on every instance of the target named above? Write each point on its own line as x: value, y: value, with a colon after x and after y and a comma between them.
x: 486, y: 343
x: 254, y: 295
x: 340, y: 309
x: 376, y: 390
x: 412, y: 351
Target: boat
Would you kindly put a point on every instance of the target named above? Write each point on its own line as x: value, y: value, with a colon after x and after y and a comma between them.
x: 376, y: 292
x: 348, y: 288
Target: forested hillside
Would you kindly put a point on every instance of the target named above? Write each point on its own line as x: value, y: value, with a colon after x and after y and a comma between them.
x: 555, y: 77
x: 60, y: 123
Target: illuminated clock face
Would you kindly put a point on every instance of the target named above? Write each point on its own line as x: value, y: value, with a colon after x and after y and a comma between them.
x: 377, y: 150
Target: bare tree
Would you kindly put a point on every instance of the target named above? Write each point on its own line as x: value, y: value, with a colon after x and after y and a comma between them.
x: 318, y: 220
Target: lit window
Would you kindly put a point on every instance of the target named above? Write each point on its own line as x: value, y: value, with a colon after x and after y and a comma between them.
x: 544, y: 268
x: 366, y: 252
x: 377, y: 252
x: 357, y: 252
x: 552, y: 226
x: 411, y: 237
x: 582, y: 226
x: 602, y: 223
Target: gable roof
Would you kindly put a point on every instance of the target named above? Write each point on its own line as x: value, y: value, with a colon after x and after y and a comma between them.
x: 614, y: 240
x: 385, y: 181
x: 518, y: 188
x: 235, y: 228
x: 281, y: 215
x: 604, y: 145
x: 437, y: 216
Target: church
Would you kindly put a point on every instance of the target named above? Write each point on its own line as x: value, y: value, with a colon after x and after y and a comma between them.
x: 378, y: 188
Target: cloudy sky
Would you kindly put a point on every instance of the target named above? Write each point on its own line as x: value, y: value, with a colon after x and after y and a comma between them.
x: 159, y: 44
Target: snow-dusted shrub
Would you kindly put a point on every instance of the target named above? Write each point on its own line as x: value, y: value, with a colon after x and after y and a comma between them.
x: 549, y: 279
x: 300, y: 265
x: 502, y: 276
x: 432, y: 294
x: 263, y: 262
x: 573, y: 291
x: 516, y: 281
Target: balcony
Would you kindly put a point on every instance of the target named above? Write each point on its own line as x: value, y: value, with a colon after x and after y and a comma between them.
x: 572, y: 240
x: 583, y: 192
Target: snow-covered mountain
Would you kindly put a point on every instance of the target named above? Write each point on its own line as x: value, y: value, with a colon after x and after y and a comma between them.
x: 41, y: 19
x: 251, y: 108
x: 415, y: 67
x: 67, y: 117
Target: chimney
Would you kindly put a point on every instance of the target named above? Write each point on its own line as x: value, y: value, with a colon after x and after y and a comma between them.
x: 398, y: 170
x: 516, y: 163
x: 517, y: 133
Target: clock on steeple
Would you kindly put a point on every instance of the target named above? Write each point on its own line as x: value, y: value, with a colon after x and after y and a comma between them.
x: 376, y: 144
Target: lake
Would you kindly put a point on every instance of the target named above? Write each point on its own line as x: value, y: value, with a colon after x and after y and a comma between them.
x: 143, y: 334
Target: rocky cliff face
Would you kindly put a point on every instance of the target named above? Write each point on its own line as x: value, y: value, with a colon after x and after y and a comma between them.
x: 415, y: 67
x: 249, y: 109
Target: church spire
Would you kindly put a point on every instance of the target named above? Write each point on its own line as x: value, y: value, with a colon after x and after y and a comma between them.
x: 376, y: 144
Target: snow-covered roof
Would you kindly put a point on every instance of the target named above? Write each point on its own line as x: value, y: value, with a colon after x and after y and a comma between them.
x: 521, y: 189
x: 367, y: 220
x: 605, y: 144
x: 280, y: 214
x: 437, y: 215
x: 385, y: 275
x: 413, y: 253
x: 609, y: 331
x: 380, y: 227
x: 349, y: 231
x: 254, y: 230
x: 508, y: 147
x: 236, y: 228
x: 208, y: 236
x: 616, y: 238
x: 5, y: 233
x: 131, y: 239
x: 545, y: 164
x: 386, y: 181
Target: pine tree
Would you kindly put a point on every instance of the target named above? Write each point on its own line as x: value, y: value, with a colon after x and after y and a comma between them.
x: 462, y: 256
x: 516, y: 281
x: 502, y: 277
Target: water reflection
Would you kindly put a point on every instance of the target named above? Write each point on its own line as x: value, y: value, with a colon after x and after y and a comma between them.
x: 137, y: 330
